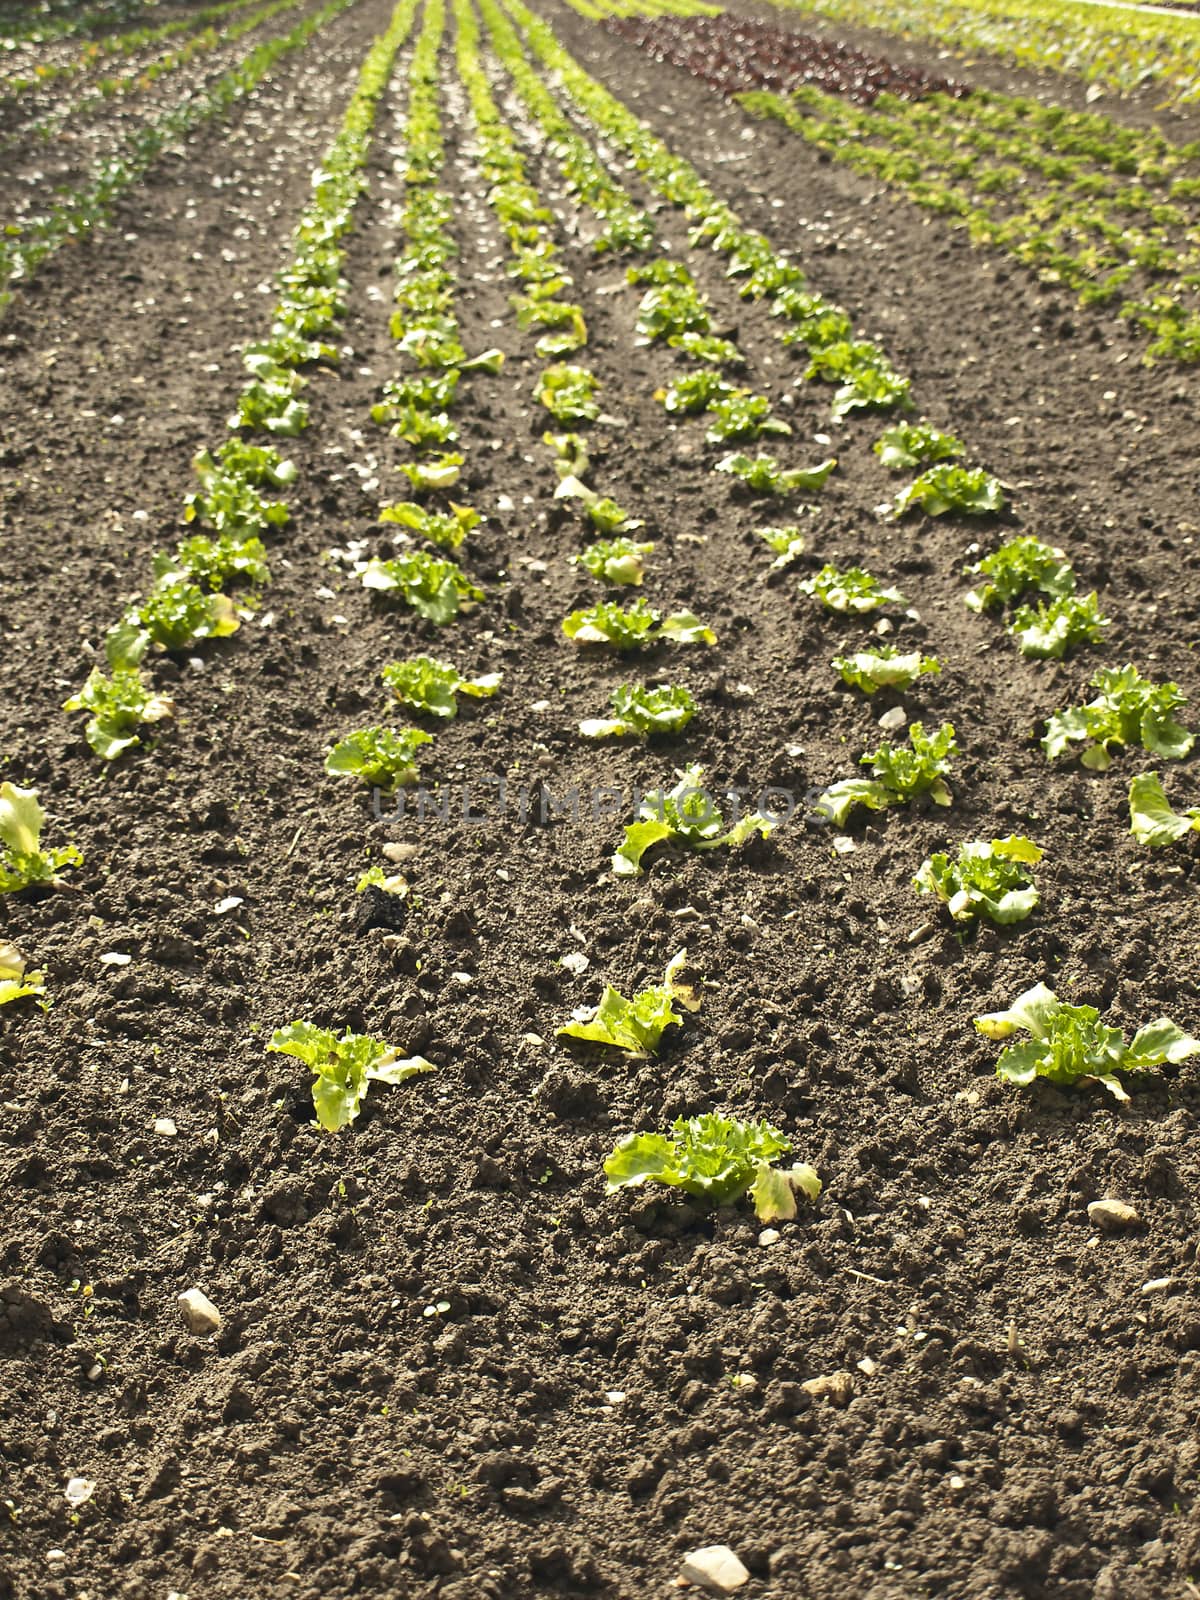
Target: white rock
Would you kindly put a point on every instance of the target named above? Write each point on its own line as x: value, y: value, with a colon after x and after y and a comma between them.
x: 1157, y: 1285
x: 79, y: 1491
x: 1112, y: 1215
x: 715, y: 1568
x: 399, y: 851
x: 115, y: 958
x: 836, y: 1386
x: 768, y: 1237
x: 895, y: 719
x: 230, y: 903
x: 198, y: 1311
x: 165, y: 1127
x: 575, y: 961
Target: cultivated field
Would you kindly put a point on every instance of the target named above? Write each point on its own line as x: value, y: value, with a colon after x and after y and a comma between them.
x: 598, y: 802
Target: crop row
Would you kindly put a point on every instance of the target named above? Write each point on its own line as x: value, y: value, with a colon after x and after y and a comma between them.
x: 26, y: 244
x: 716, y: 1157
x: 60, y: 19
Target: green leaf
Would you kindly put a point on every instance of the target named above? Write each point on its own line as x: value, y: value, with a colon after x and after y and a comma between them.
x: 1048, y: 631
x: 988, y: 879
x: 434, y: 588
x: 635, y: 1026
x: 118, y: 705
x: 916, y: 444
x: 1128, y: 710
x: 569, y: 393
x: 883, y: 668
x: 381, y: 757
x: 644, y: 712
x: 1151, y: 819
x: 433, y: 686
x: 713, y: 1158
x: 344, y: 1067
x: 616, y: 561
x: 788, y: 543
x: 968, y: 490
x: 16, y: 983
x: 854, y: 591
x: 1017, y: 567
x: 448, y: 530
x: 687, y: 817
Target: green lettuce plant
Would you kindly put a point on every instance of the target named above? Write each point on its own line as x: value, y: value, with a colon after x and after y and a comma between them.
x: 436, y: 589
x: 634, y: 627
x: 1128, y: 710
x: 618, y: 561
x: 788, y: 543
x: 433, y: 473
x: 433, y: 686
x: 636, y: 1026
x: 686, y: 818
x: 1047, y: 631
x: 1069, y: 1043
x: 741, y: 416
x: 884, y: 667
x: 23, y: 862
x: 344, y: 1067
x: 854, y: 591
x: 988, y: 878
x: 213, y: 563
x: 16, y: 982
x: 762, y: 475
x: 1151, y: 819
x: 569, y: 393
x: 381, y: 757
x: 644, y: 712
x: 968, y: 490
x: 117, y: 706
x: 916, y: 444
x: 899, y: 775
x: 447, y: 529
x: 1017, y: 567
x: 717, y: 1159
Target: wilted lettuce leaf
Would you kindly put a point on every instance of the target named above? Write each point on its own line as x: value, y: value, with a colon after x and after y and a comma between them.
x: 646, y: 712
x: 988, y: 879
x: 1151, y: 819
x: 854, y: 590
x: 23, y: 862
x: 432, y: 686
x: 1129, y: 710
x: 883, y: 668
x: 344, y: 1067
x: 635, y: 1026
x: 714, y: 1158
x: 381, y: 757
x: 1069, y: 1042
x: 685, y: 816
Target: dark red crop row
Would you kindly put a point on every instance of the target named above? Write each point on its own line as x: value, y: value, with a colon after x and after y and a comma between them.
x: 733, y: 54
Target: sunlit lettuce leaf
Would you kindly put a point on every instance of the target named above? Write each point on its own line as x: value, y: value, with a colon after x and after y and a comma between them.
x: 635, y: 1026
x: 344, y: 1067
x: 118, y: 704
x: 1128, y: 710
x: 617, y: 561
x: 988, y: 878
x: 1151, y: 819
x: 883, y: 668
x: 381, y: 757
x: 916, y: 444
x: 713, y: 1158
x: 434, y: 588
x: 433, y: 686
x: 971, y: 491
x: 788, y: 543
x: 687, y: 816
x: 16, y: 982
x: 23, y: 862
x: 1017, y: 567
x: 1047, y: 631
x: 852, y: 591
x: 645, y: 712
x: 634, y: 626
x: 447, y: 529
x: 898, y: 775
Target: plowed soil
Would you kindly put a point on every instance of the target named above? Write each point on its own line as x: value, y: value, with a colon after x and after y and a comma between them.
x: 449, y: 1364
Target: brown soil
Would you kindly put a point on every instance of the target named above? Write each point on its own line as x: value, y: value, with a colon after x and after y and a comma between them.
x: 1023, y: 1423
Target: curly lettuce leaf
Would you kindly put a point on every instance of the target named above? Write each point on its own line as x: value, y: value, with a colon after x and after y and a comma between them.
x: 989, y: 878
x: 714, y: 1158
x: 344, y: 1067
x: 1151, y: 819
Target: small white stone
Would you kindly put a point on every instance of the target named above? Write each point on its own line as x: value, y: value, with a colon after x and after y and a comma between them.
x: 614, y: 1396
x: 165, y: 1127
x: 79, y: 1491
x: 575, y: 961
x: 867, y: 1367
x: 715, y: 1568
x: 400, y: 851
x: 114, y: 958
x: 768, y: 1237
x: 230, y: 903
x: 1112, y: 1215
x: 199, y: 1314
x: 895, y: 719
x: 1157, y: 1285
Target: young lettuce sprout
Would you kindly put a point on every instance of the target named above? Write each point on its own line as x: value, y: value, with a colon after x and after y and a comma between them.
x: 971, y: 491
x: 435, y: 589
x: 16, y: 983
x: 644, y: 712
x: 899, y: 775
x: 23, y: 862
x: 697, y: 392
x: 216, y: 562
x: 686, y: 818
x: 344, y: 1067
x: 788, y: 543
x: 1069, y: 1043
x: 615, y: 561
x: 636, y: 1026
x: 916, y: 444
x: 118, y: 705
x: 569, y: 393
x: 433, y: 686
x: 1046, y: 632
x: 571, y: 458
x: 1151, y: 819
x: 988, y: 879
x: 381, y: 757
x: 883, y: 668
x: 1129, y: 710
x: 634, y: 627
x: 717, y: 1159
x: 174, y: 616
x: 762, y: 475
x: 707, y: 347
x: 1016, y: 568
x: 742, y: 416
x: 433, y: 472
x: 854, y: 591
x: 447, y: 529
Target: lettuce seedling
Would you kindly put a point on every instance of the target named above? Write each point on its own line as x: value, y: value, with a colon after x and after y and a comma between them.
x: 394, y: 883
x: 439, y: 471
x: 707, y: 347
x: 1047, y: 631
x: 685, y: 817
x: 174, y: 615
x: 16, y: 982
x: 434, y: 588
x: 883, y: 668
x: 216, y: 562
x: 763, y: 475
x: 270, y: 403
x: 1129, y: 710
x: 717, y: 1159
x: 424, y: 430
x: 743, y: 416
x: 988, y: 879
x: 659, y: 271
x: 644, y: 712
x: 569, y: 393
x: 447, y: 529
x: 344, y: 1067
x: 605, y: 514
x: 433, y: 686
x: 118, y: 705
x: 788, y: 543
x: 899, y: 775
x: 23, y: 862
x: 669, y: 310
x: 853, y: 592
x: 968, y: 490
x: 697, y: 392
x: 1069, y: 1043
x: 634, y: 627
x: 571, y: 458
x: 1017, y: 567
x: 257, y: 464
x: 1151, y: 819
x: 615, y: 561
x: 916, y: 444
x: 875, y: 388
x: 636, y: 1026
x: 232, y: 505
x: 427, y: 393
x: 381, y: 757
